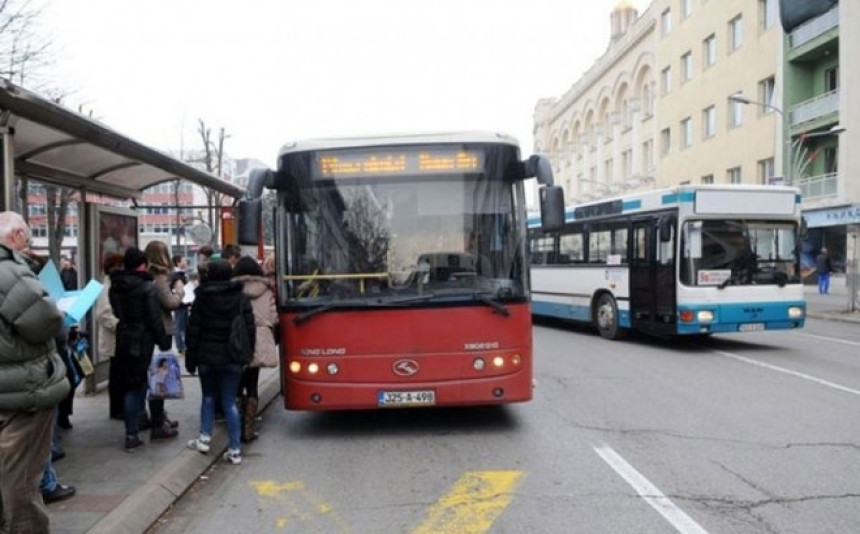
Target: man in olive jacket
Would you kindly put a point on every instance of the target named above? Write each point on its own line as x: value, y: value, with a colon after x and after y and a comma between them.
x: 32, y: 381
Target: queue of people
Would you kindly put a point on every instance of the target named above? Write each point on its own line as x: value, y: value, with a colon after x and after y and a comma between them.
x: 149, y: 301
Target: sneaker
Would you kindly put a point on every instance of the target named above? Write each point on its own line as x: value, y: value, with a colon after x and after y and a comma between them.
x: 233, y: 456
x: 164, y: 432
x: 202, y: 444
x: 132, y: 443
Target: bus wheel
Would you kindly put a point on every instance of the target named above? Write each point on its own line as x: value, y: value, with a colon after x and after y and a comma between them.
x: 606, y: 317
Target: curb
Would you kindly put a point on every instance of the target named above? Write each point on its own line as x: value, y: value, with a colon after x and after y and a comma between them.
x: 141, y: 509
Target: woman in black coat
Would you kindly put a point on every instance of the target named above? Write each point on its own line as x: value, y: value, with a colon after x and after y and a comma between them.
x: 217, y: 302
x: 134, y: 300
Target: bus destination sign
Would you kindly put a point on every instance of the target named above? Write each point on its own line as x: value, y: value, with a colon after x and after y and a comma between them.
x: 375, y: 163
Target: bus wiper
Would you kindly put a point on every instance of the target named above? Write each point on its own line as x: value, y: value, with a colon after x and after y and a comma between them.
x: 727, y: 281
x: 302, y: 317
x: 495, y: 304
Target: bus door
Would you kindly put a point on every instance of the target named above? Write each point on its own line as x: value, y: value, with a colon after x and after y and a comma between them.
x: 642, y: 275
x: 652, y: 276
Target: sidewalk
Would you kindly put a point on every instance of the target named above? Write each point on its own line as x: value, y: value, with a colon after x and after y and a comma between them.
x: 118, y: 492
x: 833, y: 306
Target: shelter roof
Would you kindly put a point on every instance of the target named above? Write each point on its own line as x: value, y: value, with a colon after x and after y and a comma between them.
x: 58, y: 145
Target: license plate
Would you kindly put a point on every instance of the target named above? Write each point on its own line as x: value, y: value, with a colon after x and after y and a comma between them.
x: 751, y: 327
x: 397, y: 399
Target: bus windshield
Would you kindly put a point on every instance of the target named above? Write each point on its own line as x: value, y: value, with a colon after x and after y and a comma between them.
x: 739, y: 252
x: 392, y: 240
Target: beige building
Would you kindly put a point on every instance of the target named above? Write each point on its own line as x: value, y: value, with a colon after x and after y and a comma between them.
x: 655, y: 109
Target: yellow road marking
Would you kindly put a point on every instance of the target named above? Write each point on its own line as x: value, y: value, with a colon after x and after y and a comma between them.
x: 474, y: 502
x: 299, y: 506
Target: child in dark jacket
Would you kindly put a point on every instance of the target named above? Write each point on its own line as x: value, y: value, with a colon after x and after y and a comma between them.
x: 216, y: 303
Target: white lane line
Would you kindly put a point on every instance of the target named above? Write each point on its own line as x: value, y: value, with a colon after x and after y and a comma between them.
x: 649, y: 492
x: 789, y: 372
x: 833, y: 339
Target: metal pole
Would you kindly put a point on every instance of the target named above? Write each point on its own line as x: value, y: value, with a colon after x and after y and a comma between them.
x: 852, y: 272
x: 7, y: 169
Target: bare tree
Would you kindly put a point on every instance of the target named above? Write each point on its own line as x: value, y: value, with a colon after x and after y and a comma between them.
x: 25, y: 56
x: 212, y: 160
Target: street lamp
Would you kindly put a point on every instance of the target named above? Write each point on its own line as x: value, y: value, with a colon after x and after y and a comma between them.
x: 793, y: 169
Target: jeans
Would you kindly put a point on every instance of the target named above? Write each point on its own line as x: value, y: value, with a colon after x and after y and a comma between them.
x: 180, y: 317
x: 49, y: 478
x: 824, y: 283
x: 223, y: 379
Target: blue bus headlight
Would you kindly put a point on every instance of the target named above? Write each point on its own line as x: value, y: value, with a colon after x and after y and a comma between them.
x: 705, y: 316
x: 795, y: 312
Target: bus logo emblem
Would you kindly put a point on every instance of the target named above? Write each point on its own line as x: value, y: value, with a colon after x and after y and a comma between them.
x: 405, y: 367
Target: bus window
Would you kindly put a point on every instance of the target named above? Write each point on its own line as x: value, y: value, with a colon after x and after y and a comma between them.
x: 619, y: 243
x: 570, y: 248
x: 599, y: 245
x: 542, y: 250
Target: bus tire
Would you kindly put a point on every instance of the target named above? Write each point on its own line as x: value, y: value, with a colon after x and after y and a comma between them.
x: 606, y: 317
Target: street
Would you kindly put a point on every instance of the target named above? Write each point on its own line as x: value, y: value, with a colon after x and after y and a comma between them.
x: 747, y: 433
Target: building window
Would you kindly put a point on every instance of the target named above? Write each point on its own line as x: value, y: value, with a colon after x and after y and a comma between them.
x: 709, y: 179
x: 647, y: 101
x: 736, y: 33
x: 687, y: 133
x: 766, y: 92
x: 709, y: 122
x: 736, y: 114
x: 709, y: 50
x: 831, y: 79
x: 687, y: 67
x: 666, y: 22
x: 627, y: 162
x: 648, y: 156
x: 765, y: 171
x: 665, y: 141
x: 686, y: 8
x: 734, y: 175
x: 666, y: 80
x: 767, y: 13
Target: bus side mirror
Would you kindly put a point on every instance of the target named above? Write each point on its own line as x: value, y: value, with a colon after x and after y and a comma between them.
x: 666, y: 224
x: 551, y: 208
x: 250, y: 213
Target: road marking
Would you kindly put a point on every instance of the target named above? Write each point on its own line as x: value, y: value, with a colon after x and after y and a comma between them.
x: 649, y: 492
x: 789, y: 372
x: 833, y: 339
x: 301, y: 507
x: 473, y: 503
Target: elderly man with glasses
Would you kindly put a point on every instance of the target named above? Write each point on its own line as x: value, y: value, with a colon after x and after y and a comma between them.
x: 32, y: 381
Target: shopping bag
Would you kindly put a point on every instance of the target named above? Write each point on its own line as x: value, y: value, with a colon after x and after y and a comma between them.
x: 165, y: 376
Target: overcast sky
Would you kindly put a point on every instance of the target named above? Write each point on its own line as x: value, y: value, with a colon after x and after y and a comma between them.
x: 271, y: 71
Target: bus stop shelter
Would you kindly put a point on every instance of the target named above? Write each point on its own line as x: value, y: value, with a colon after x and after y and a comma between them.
x: 44, y: 141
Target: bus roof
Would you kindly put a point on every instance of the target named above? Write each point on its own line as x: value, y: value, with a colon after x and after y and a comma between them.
x: 397, y: 139
x: 661, y: 198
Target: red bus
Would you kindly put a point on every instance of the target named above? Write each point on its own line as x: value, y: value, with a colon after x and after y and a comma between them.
x: 402, y: 272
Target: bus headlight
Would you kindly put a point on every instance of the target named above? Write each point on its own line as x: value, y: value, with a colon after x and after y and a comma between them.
x: 795, y: 312
x: 479, y: 364
x: 295, y: 367
x: 332, y: 368
x: 516, y: 359
x: 313, y: 368
x: 705, y: 316
x: 498, y: 361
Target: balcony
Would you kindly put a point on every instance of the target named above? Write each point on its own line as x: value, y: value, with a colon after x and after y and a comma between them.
x: 815, y: 108
x: 818, y: 187
x: 811, y: 29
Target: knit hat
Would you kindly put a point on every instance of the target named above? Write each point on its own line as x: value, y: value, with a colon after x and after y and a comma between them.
x: 133, y: 258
